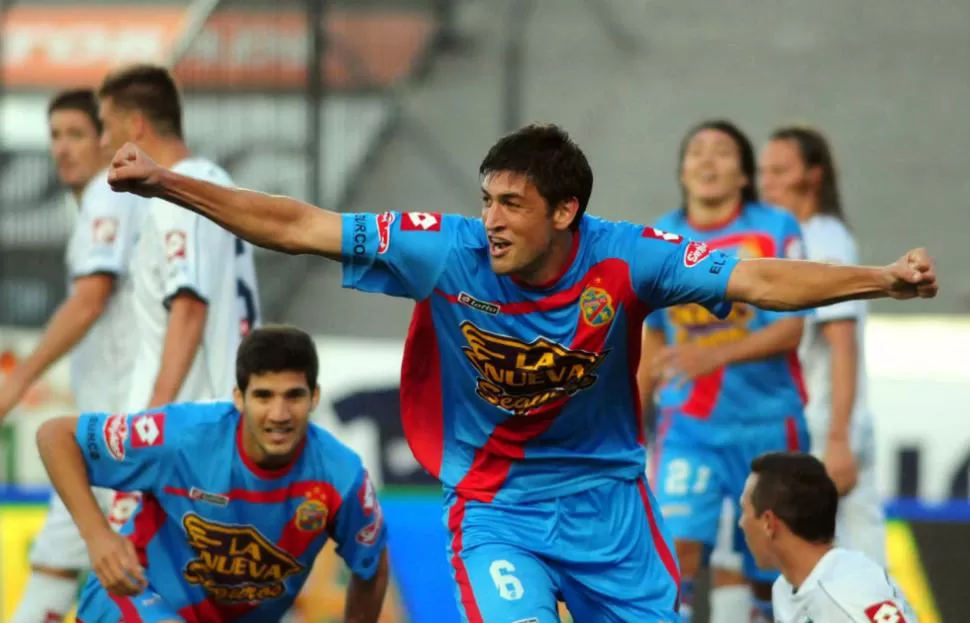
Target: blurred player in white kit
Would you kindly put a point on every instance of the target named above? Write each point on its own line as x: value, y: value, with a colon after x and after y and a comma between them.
x: 788, y: 512
x: 195, y: 292
x: 798, y: 173
x: 94, y: 324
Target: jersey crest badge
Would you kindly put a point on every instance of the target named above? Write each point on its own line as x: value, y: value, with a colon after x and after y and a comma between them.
x: 597, y: 308
x: 311, y: 516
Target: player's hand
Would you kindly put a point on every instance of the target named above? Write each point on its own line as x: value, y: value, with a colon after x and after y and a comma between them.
x: 684, y: 363
x: 840, y: 462
x: 115, y: 562
x: 912, y: 276
x: 134, y: 172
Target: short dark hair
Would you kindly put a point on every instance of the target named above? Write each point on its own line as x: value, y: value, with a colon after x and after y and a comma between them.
x: 149, y: 89
x: 815, y: 152
x: 796, y: 487
x: 81, y: 100
x: 551, y: 160
x: 749, y: 194
x: 276, y: 348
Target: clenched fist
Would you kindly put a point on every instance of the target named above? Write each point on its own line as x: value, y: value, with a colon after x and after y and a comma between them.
x: 132, y: 171
x: 912, y: 276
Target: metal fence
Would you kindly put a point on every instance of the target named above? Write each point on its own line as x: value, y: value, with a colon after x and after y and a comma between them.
x: 290, y: 96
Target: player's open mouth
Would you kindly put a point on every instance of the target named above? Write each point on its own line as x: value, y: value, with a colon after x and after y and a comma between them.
x: 278, y: 434
x: 498, y: 248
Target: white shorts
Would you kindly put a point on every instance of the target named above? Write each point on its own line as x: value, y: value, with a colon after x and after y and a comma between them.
x: 59, y: 545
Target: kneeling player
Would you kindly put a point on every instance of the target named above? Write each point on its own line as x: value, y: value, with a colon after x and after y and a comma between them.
x: 239, y: 498
x: 788, y: 514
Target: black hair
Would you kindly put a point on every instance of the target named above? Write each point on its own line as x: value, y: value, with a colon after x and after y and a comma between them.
x: 276, y: 348
x: 749, y: 194
x: 149, y: 89
x: 81, y: 100
x: 796, y: 487
x: 550, y: 159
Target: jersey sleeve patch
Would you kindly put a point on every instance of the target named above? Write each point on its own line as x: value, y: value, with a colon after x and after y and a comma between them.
x: 371, y: 508
x: 149, y: 430
x: 885, y: 612
x: 695, y: 253
x: 659, y: 234
x: 175, y: 245
x: 116, y: 435
x: 421, y: 221
x: 104, y: 231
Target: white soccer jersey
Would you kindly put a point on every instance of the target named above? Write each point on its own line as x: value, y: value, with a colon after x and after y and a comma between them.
x: 844, y: 587
x: 180, y: 251
x: 105, y: 233
x: 828, y: 240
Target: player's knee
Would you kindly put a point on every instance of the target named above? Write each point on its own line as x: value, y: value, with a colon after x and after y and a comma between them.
x: 690, y: 555
x: 65, y: 574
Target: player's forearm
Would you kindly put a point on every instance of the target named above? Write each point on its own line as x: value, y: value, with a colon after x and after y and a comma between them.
x: 269, y: 221
x: 777, y: 338
x: 788, y: 285
x: 366, y: 597
x: 69, y: 324
x: 65, y: 466
x: 845, y: 357
x: 183, y: 335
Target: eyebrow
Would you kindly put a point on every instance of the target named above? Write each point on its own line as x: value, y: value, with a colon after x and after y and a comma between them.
x: 508, y: 195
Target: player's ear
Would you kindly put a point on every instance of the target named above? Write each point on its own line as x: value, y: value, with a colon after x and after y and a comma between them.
x: 316, y: 398
x: 564, y: 213
x: 237, y: 399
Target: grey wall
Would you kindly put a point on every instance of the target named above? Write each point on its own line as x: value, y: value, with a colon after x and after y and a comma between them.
x: 888, y: 80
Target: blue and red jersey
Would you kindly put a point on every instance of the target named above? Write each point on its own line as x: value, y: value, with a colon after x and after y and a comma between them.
x: 221, y: 538
x: 518, y: 393
x: 755, y: 392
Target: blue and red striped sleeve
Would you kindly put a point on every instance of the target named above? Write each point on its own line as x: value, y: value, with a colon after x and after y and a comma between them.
x: 359, y: 530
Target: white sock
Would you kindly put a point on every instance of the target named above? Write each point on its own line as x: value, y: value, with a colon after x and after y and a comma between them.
x: 731, y: 604
x: 47, y: 599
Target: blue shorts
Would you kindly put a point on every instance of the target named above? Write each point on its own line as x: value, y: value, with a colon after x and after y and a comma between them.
x: 692, y: 479
x: 605, y: 552
x: 96, y: 605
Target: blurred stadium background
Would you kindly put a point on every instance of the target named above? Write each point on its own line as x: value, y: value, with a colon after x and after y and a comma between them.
x: 390, y: 104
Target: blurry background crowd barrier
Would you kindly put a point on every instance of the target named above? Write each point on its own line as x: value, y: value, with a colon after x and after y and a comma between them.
x: 373, y: 105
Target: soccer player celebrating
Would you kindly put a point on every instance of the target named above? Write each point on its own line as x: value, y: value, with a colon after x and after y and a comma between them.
x: 788, y: 512
x: 518, y: 386
x: 239, y: 498
x: 798, y: 173
x: 93, y: 324
x: 729, y: 387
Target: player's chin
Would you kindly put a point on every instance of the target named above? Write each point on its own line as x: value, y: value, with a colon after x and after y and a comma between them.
x: 504, y: 265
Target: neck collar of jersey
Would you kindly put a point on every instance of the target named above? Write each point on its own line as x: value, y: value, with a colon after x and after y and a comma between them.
x: 261, y: 472
x: 573, y: 250
x: 718, y: 225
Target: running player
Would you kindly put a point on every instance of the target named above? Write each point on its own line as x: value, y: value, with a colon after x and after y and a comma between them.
x: 729, y: 388
x: 93, y: 324
x: 195, y: 292
x: 788, y: 513
x: 518, y: 386
x: 798, y: 173
x: 238, y: 498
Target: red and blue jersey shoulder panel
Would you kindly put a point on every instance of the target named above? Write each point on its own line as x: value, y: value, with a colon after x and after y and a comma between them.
x: 403, y: 253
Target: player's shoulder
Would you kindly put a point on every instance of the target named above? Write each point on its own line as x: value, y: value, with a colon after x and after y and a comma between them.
x: 194, y: 419
x: 851, y: 577
x: 203, y: 169
x: 769, y: 216
x: 611, y: 237
x: 327, y: 455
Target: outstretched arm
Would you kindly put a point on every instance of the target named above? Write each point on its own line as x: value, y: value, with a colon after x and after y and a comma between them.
x: 269, y: 221
x: 788, y: 285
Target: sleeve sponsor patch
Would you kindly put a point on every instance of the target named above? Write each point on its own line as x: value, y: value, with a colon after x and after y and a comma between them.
x: 421, y: 221
x: 885, y: 612
x: 104, y: 231
x: 176, y: 242
x: 149, y: 430
x: 371, y: 507
x: 695, y: 253
x: 384, y: 222
x: 659, y: 234
x: 116, y: 435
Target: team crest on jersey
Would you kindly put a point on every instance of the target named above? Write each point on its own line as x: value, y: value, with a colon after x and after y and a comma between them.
x: 597, y: 308
x: 235, y: 564
x: 311, y: 516
x: 522, y: 377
